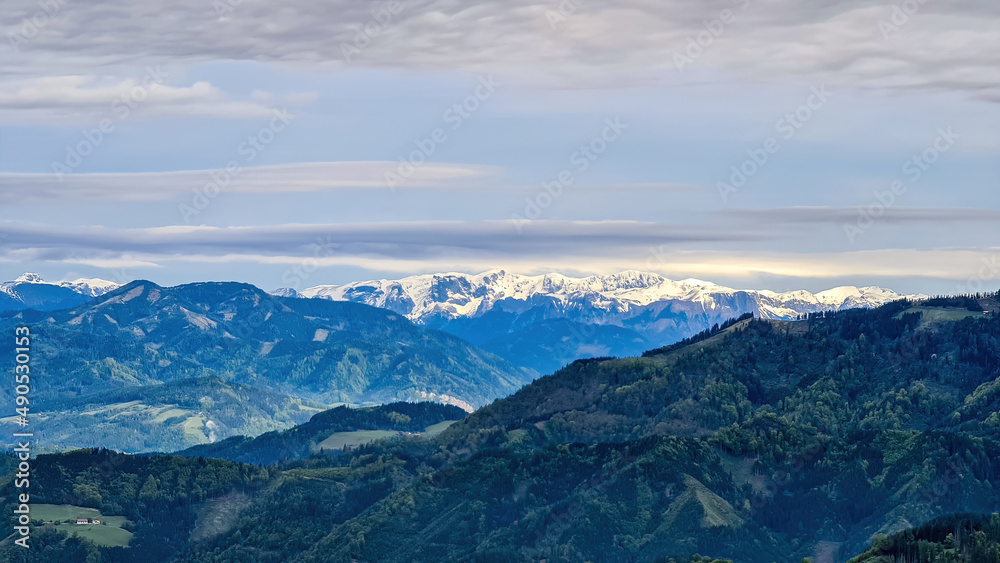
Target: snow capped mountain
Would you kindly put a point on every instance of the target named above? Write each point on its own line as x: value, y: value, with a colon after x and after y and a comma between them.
x: 285, y: 292
x: 30, y: 291
x: 545, y: 321
x: 453, y: 295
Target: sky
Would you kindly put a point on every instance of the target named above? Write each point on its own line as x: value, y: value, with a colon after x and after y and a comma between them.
x: 768, y: 144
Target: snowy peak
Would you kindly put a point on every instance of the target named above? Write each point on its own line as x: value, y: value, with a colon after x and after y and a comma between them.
x: 857, y: 296
x: 286, y: 292
x: 91, y: 287
x: 30, y: 291
x: 455, y: 295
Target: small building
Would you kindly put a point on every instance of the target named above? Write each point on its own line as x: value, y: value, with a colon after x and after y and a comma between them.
x: 82, y: 521
x: 97, y: 522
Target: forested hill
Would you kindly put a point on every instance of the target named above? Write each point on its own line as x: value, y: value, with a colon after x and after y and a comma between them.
x: 143, y: 334
x: 954, y: 539
x: 898, y: 367
x: 148, y: 368
x: 766, y: 441
x: 361, y: 425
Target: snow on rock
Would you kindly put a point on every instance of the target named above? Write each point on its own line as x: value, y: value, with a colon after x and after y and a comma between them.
x: 90, y: 287
x: 454, y: 295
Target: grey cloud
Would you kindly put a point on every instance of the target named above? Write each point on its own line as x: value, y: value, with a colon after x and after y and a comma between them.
x: 277, y: 179
x: 944, y: 46
x: 399, y: 240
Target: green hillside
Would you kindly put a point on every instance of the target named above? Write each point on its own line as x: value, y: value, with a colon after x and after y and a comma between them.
x: 147, y: 368
x: 105, y: 531
x: 332, y: 430
x: 953, y: 539
x: 762, y: 441
x: 322, y: 350
x: 167, y: 416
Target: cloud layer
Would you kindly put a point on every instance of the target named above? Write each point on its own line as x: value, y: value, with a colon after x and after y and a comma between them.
x: 78, y: 63
x: 88, y: 98
x: 861, y: 43
x: 276, y: 179
x: 407, y: 247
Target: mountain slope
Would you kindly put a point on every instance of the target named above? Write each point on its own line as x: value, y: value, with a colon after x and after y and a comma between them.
x: 308, y: 438
x: 144, y: 335
x: 957, y: 538
x: 502, y: 311
x: 167, y: 417
x: 767, y: 441
x: 763, y: 441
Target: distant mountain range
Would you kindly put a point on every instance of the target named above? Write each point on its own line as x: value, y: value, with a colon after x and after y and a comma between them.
x: 145, y: 367
x: 29, y: 291
x: 544, y: 322
x: 540, y: 323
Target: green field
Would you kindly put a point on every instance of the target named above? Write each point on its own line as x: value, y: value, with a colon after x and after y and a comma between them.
x: 107, y: 536
x: 168, y: 413
x: 942, y: 314
x: 109, y: 533
x: 341, y: 439
x: 60, y: 512
x: 435, y: 429
x: 337, y: 474
x: 193, y: 430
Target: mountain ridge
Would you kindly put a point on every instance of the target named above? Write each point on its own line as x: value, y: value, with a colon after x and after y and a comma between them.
x: 623, y: 289
x: 30, y: 291
x: 536, y: 322
x: 621, y: 314
x: 767, y: 441
x: 144, y: 335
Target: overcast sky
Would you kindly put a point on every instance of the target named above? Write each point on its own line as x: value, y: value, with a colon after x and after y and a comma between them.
x: 771, y: 144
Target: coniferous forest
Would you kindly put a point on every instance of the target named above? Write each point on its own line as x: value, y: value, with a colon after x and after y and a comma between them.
x: 867, y: 433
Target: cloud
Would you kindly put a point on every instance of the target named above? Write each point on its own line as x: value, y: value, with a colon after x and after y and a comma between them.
x: 277, y: 179
x: 840, y: 215
x: 79, y: 98
x: 855, y: 43
x: 399, y: 241
x: 413, y: 247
